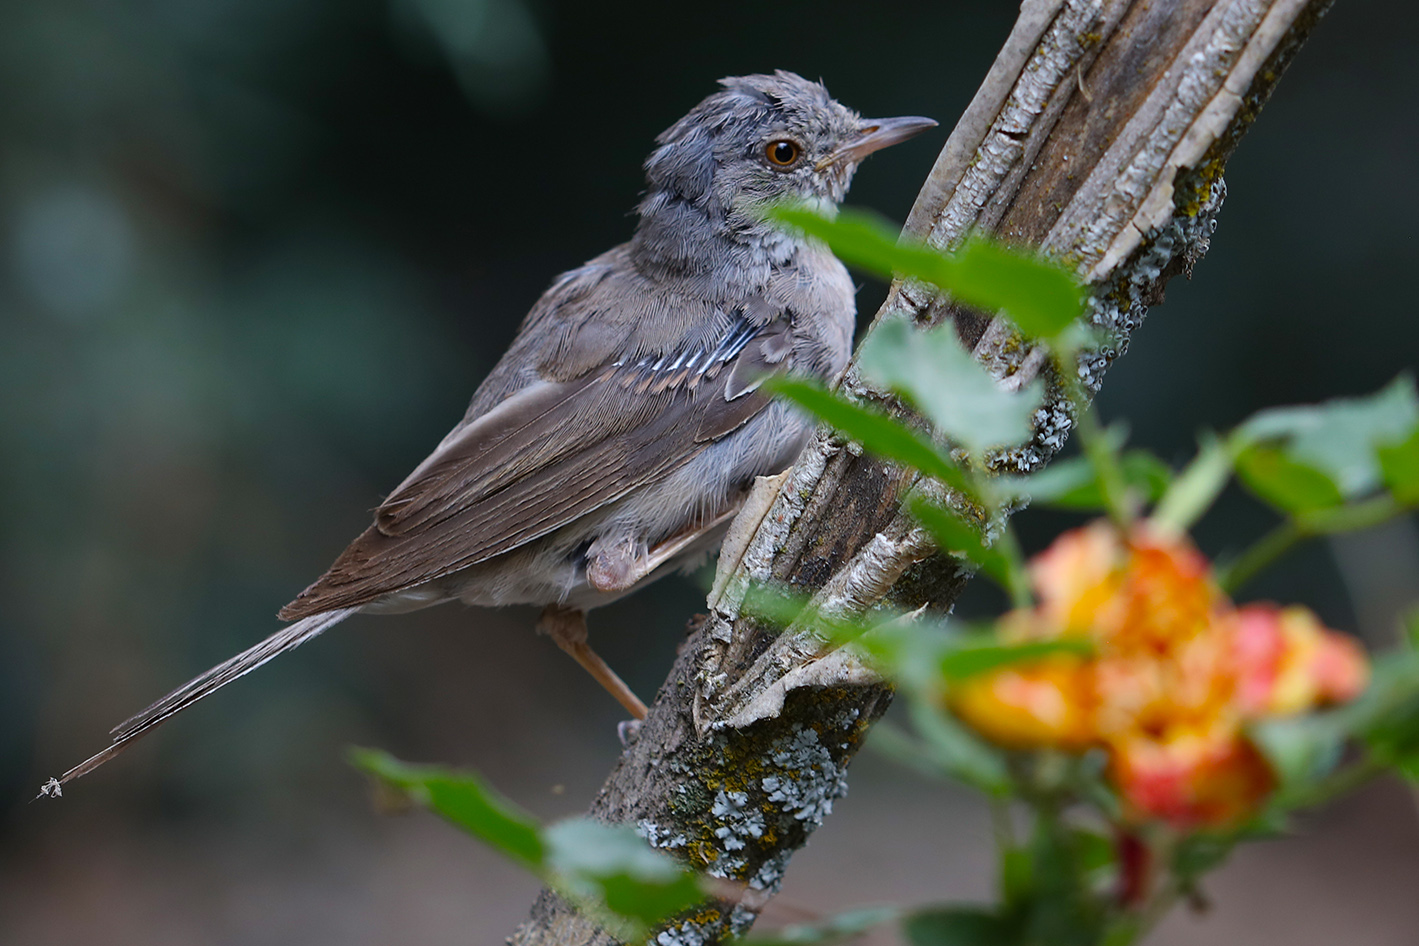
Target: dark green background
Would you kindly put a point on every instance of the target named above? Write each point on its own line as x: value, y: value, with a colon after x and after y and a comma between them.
x: 256, y: 254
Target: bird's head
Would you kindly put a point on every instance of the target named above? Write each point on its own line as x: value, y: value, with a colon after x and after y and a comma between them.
x: 765, y: 138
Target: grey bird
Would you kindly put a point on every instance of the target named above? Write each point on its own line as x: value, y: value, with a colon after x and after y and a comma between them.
x: 620, y: 432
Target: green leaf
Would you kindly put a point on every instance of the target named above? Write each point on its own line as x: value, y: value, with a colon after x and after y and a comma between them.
x: 1341, y: 437
x: 1122, y: 931
x: 613, y: 865
x: 877, y: 432
x: 837, y: 929
x: 933, y: 372
x: 1041, y: 297
x: 1197, y: 487
x: 1399, y: 466
x: 1301, y: 749
x: 953, y: 534
x: 1060, y: 909
x: 1387, y: 715
x: 908, y: 650
x: 972, y: 659
x: 464, y: 799
x: 961, y: 926
x: 1147, y: 475
x: 1094, y: 851
x: 864, y: 240
x: 1074, y: 484
x: 1285, y: 483
x: 1017, y: 875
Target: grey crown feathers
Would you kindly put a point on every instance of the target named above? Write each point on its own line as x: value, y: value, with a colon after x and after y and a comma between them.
x: 619, y: 434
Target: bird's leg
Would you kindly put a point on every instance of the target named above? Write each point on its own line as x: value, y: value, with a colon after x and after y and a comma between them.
x: 567, y: 626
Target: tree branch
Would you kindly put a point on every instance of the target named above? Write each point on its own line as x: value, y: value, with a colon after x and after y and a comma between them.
x: 1100, y: 135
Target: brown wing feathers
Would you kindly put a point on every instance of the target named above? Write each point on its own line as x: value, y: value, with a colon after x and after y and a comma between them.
x: 588, y: 442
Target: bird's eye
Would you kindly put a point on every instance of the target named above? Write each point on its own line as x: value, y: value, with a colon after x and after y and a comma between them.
x: 782, y: 152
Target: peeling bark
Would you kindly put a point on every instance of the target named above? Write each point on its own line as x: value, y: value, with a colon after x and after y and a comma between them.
x: 1100, y: 134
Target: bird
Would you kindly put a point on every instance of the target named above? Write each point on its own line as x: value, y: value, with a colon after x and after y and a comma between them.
x: 621, y: 431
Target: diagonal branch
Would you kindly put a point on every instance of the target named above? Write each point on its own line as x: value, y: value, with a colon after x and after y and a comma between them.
x: 1100, y: 134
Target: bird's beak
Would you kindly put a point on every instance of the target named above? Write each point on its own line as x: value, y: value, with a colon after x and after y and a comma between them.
x: 876, y: 134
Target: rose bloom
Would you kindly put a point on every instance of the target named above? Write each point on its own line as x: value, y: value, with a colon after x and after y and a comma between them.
x: 1175, y: 673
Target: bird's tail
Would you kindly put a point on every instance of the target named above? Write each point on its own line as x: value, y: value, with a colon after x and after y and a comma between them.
x: 125, y: 733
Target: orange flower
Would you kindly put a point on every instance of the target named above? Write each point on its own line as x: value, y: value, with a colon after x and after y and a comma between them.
x: 1143, y: 594
x: 1191, y: 777
x: 1175, y: 674
x: 1046, y: 703
x: 1289, y: 662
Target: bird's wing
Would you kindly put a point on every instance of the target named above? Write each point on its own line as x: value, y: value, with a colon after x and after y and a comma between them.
x: 548, y: 455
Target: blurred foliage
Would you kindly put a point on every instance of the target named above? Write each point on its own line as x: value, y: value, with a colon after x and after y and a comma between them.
x: 1178, y: 795
x: 607, y: 868
x: 1042, y: 301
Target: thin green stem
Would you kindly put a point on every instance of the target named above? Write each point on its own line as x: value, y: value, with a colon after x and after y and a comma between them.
x: 1100, y: 451
x: 1019, y: 584
x: 1340, y: 782
x: 1259, y: 555
x: 1302, y: 526
x: 1361, y: 515
x: 1102, y: 456
x: 1196, y: 488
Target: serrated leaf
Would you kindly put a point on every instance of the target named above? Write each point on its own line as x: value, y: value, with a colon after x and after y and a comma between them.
x: 1340, y: 438
x: 961, y: 926
x: 877, y: 432
x: 1040, y: 296
x: 1399, y: 467
x: 616, y: 867
x: 1283, y: 482
x: 933, y: 372
x: 464, y: 799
